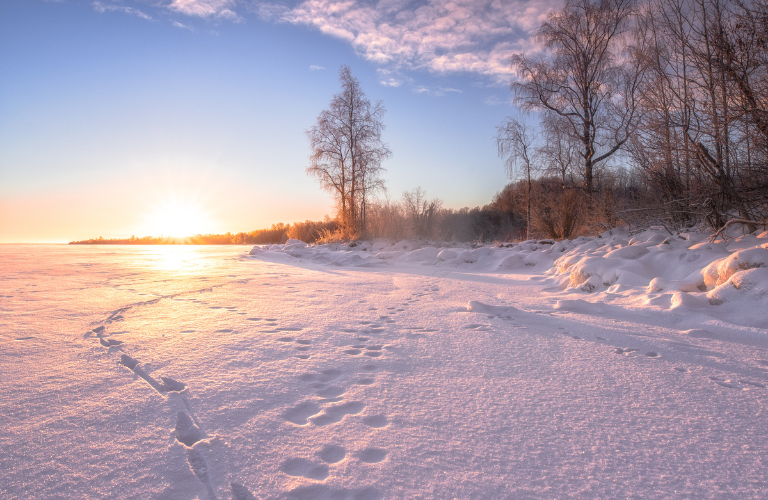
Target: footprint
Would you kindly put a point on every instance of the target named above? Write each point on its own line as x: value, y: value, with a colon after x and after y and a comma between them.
x: 727, y: 384
x: 329, y: 375
x: 331, y: 392
x: 304, y: 342
x: 334, y: 414
x: 755, y: 384
x: 172, y: 385
x: 187, y: 432
x: 224, y: 330
x: 363, y: 339
x: 253, y: 319
x: 200, y: 468
x: 376, y: 421
x: 370, y: 368
x: 652, y: 354
x: 373, y: 354
x: 109, y: 342
x: 302, y: 348
x: 365, y: 381
x: 240, y: 492
x: 626, y: 350
x: 300, y: 413
x: 374, y: 347
x: 682, y: 370
x: 285, y: 339
x: 332, y: 453
x: 372, y: 455
x: 307, y: 377
x: 301, y: 467
x: 303, y: 356
x: 353, y: 352
x: 128, y: 361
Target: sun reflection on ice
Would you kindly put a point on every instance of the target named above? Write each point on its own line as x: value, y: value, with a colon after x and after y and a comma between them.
x: 178, y: 257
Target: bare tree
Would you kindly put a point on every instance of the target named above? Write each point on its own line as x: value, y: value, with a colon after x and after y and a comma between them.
x: 588, y: 80
x: 559, y: 152
x: 515, y: 143
x: 347, y: 151
x: 421, y: 212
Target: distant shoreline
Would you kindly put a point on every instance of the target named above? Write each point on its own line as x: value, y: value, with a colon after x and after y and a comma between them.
x: 210, y: 239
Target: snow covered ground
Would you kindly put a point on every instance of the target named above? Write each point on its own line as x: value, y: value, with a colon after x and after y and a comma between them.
x: 610, y: 367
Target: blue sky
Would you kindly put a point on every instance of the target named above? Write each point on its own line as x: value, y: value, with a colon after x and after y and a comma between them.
x: 112, y: 110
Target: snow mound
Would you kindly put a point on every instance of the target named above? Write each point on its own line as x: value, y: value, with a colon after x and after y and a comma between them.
x: 480, y: 307
x: 722, y: 270
x: 681, y: 272
x: 742, y: 286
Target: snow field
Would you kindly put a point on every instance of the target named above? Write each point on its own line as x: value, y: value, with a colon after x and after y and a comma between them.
x: 275, y: 376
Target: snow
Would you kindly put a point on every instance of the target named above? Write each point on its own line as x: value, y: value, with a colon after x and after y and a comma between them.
x: 611, y: 367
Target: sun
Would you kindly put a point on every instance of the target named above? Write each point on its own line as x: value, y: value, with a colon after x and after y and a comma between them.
x: 179, y: 218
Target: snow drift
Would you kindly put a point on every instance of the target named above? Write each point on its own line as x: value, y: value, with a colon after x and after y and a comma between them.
x: 651, y: 268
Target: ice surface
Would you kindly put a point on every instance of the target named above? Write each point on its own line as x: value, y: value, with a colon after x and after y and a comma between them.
x: 314, y: 372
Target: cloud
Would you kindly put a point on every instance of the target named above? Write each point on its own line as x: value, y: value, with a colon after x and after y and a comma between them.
x: 183, y: 26
x: 315, y: 67
x: 101, y: 8
x: 222, y: 9
x: 398, y: 36
x: 435, y: 91
x: 441, y: 36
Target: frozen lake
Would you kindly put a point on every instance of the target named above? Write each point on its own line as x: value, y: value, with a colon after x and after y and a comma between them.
x: 203, y: 372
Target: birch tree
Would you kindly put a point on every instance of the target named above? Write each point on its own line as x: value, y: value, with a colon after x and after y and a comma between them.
x: 586, y: 78
x: 347, y: 151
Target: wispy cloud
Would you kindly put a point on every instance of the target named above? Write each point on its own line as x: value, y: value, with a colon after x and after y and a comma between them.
x: 222, y: 9
x: 315, y: 67
x: 183, y: 26
x: 435, y: 91
x: 442, y: 36
x: 101, y: 8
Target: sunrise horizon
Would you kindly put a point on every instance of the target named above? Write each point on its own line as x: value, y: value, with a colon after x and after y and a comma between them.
x: 108, y: 107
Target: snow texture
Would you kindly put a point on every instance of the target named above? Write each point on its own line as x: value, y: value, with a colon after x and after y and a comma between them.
x: 611, y: 367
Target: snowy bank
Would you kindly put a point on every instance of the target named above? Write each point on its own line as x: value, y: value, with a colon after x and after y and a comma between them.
x: 651, y: 269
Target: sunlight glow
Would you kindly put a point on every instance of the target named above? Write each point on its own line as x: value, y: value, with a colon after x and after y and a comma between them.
x: 175, y: 257
x: 177, y: 217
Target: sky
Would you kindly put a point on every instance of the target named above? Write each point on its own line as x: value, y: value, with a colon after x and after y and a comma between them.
x: 149, y: 117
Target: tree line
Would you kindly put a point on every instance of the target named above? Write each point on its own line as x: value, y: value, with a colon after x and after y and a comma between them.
x: 642, y: 113
x: 634, y: 112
